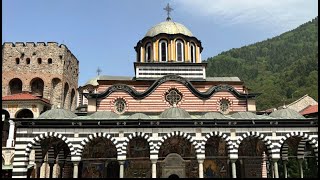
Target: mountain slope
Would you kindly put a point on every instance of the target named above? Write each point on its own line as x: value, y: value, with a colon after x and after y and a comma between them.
x: 283, y: 68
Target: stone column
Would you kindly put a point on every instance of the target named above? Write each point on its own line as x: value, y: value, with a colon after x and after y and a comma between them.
x: 38, y: 169
x: 10, y: 140
x: 285, y: 162
x: 121, y: 162
x: 51, y: 164
x: 233, y: 168
x: 75, y: 169
x: 275, y: 166
x: 154, y: 168
x: 200, y: 161
x: 300, y: 167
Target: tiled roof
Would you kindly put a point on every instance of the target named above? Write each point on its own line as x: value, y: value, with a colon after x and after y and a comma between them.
x: 24, y: 96
x: 310, y: 110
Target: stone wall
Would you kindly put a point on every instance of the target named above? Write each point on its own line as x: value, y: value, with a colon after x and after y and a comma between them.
x: 54, y: 64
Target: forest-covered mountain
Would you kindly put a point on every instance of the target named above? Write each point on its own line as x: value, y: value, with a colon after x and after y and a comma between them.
x: 283, y: 68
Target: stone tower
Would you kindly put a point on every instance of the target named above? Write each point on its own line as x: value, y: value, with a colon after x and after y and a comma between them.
x: 47, y: 70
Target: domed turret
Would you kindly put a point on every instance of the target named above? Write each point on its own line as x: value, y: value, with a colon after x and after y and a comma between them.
x: 168, y: 27
x: 175, y: 113
x: 57, y: 114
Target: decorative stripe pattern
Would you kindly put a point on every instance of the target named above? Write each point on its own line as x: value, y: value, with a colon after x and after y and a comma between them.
x: 179, y: 134
x: 270, y: 148
x: 305, y: 138
x: 96, y: 135
x: 220, y: 135
x: 132, y: 136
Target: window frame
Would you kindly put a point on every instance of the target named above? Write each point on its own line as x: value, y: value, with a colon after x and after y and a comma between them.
x: 182, y: 50
x: 160, y: 50
x: 147, y: 55
x: 192, y: 58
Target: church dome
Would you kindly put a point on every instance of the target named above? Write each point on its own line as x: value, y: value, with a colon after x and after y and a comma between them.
x: 57, y: 114
x: 93, y: 81
x: 286, y: 113
x: 214, y: 115
x: 104, y: 115
x: 168, y: 27
x: 175, y: 112
x: 138, y: 116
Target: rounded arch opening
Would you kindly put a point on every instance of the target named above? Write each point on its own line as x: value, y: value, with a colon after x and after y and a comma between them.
x: 99, y: 159
x: 216, y: 163
x: 163, y: 50
x: 37, y: 86
x: 24, y: 113
x: 15, y: 86
x: 138, y: 159
x: 179, y: 50
x: 148, y: 52
x: 253, y: 159
x: 56, y: 89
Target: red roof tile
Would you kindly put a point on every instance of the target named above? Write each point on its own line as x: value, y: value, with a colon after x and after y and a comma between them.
x: 310, y: 110
x: 24, y: 96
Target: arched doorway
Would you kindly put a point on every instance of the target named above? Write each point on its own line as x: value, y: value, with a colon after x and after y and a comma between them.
x: 51, y: 159
x: 216, y: 163
x: 293, y: 150
x: 173, y: 176
x: 138, y: 164
x: 175, y: 147
x: 253, y: 161
x: 24, y: 113
x: 99, y: 159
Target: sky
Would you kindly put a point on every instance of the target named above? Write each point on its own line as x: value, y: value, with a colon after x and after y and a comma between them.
x: 103, y: 33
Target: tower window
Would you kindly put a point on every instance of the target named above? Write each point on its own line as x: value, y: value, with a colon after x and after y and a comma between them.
x: 179, y: 47
x: 148, y: 52
x: 163, y: 51
x: 49, y: 61
x: 193, y: 53
x: 120, y: 106
x: 28, y: 60
x: 39, y: 60
x: 17, y: 61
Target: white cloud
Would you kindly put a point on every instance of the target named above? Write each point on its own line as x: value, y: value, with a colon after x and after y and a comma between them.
x: 280, y: 14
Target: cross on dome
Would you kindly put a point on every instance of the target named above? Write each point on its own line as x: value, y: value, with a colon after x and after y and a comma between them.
x: 168, y: 9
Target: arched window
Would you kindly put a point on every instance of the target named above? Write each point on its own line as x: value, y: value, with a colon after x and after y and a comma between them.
x: 49, y: 61
x: 37, y: 86
x: 163, y: 51
x: 39, y: 60
x: 15, y: 86
x: 148, y: 52
x: 192, y: 53
x: 179, y: 51
x: 17, y: 61
x: 28, y: 60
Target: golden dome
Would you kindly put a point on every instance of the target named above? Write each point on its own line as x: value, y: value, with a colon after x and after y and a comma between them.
x: 168, y: 27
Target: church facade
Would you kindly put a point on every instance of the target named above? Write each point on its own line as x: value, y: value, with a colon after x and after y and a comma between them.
x: 168, y: 121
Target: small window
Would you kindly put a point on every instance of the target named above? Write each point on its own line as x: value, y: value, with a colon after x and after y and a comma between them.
x: 163, y: 51
x: 148, y: 52
x: 39, y: 60
x: 17, y: 61
x: 120, y: 106
x: 224, y: 106
x: 49, y: 61
x: 28, y: 60
x: 173, y: 97
x: 192, y: 53
x: 179, y: 48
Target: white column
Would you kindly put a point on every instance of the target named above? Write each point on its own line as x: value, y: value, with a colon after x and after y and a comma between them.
x: 275, y: 165
x: 75, y: 169
x: 10, y: 140
x: 233, y: 168
x: 200, y: 161
x: 285, y: 169
x: 300, y: 167
x: 121, y: 169
x: 154, y: 168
